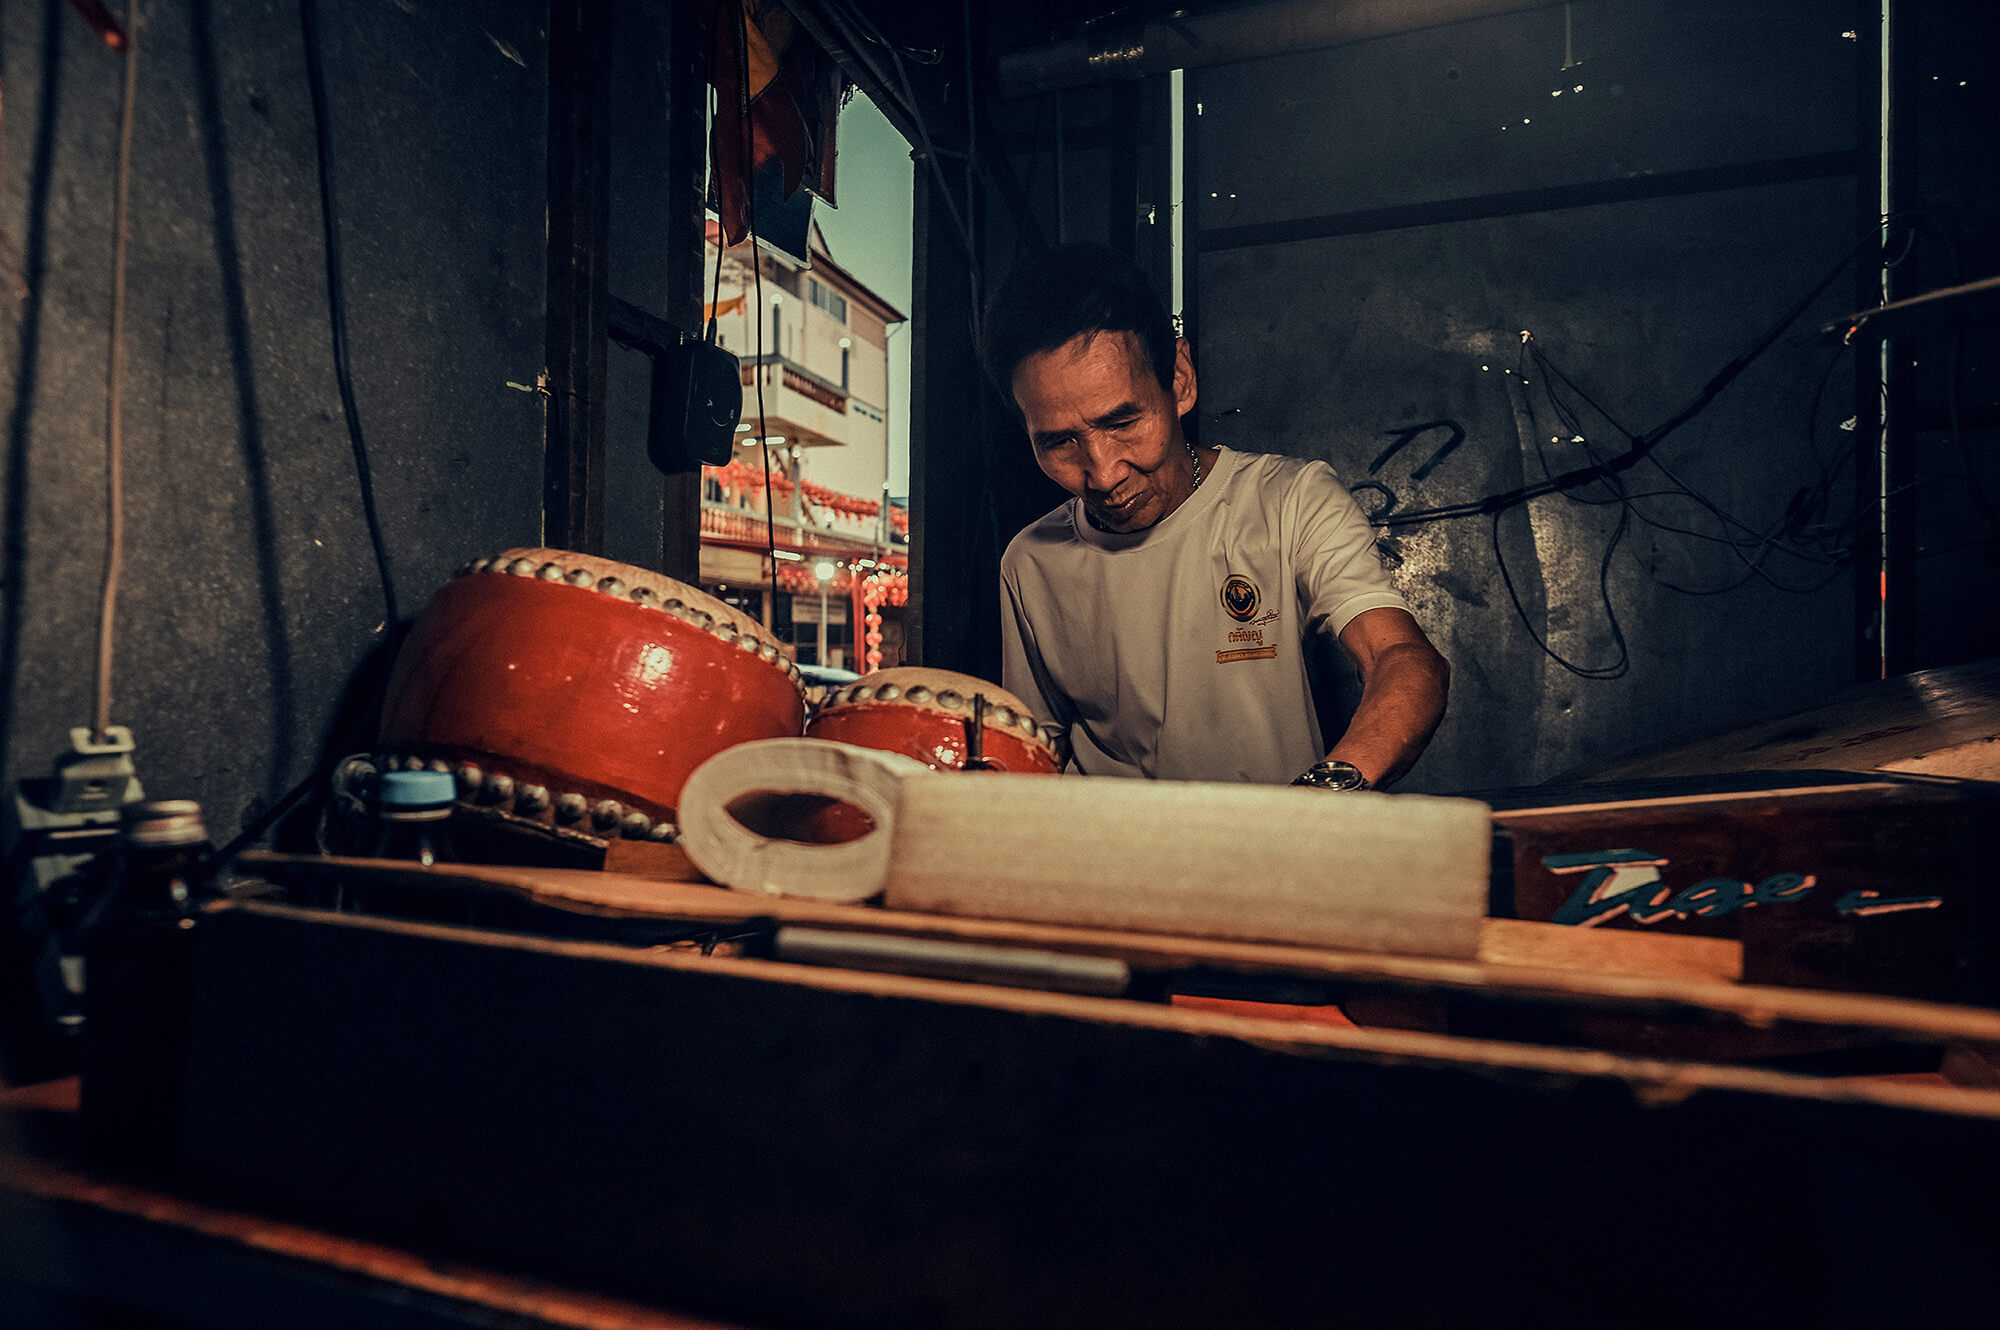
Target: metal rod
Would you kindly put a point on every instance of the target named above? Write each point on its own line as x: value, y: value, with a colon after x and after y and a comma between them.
x: 1250, y: 32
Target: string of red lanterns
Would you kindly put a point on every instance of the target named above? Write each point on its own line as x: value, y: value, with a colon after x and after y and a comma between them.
x: 741, y: 475
x: 890, y: 586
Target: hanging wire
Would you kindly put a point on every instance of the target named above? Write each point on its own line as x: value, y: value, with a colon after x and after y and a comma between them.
x: 1641, y: 444
x: 1764, y: 540
x: 757, y: 284
x: 336, y: 301
x: 859, y: 32
x: 114, y: 388
x: 1618, y: 668
x: 1753, y: 546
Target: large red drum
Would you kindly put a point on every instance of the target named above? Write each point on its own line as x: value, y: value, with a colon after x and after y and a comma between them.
x: 927, y: 714
x: 582, y: 690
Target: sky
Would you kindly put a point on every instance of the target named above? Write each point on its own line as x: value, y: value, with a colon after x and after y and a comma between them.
x: 869, y: 235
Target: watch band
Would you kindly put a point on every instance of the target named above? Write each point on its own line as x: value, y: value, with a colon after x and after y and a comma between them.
x: 1333, y: 776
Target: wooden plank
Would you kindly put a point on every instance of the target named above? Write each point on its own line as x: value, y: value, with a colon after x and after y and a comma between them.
x: 1666, y: 956
x: 1975, y: 759
x: 821, y: 1147
x: 1872, y: 885
x: 101, y: 1223
x: 1657, y: 1075
x: 1752, y: 1005
x: 1879, y: 724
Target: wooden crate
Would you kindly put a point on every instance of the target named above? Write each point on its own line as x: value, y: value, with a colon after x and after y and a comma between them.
x: 791, y: 1146
x: 1831, y: 880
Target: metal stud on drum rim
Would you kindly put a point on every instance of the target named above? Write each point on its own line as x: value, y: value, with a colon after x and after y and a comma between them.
x: 576, y: 674
x: 927, y: 714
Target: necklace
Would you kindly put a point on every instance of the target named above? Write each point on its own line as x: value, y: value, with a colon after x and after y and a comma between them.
x: 1194, y: 457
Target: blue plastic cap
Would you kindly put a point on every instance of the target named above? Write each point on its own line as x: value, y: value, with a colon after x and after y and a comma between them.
x: 415, y: 789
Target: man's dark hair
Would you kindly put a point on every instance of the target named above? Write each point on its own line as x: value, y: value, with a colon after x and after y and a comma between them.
x: 1072, y: 291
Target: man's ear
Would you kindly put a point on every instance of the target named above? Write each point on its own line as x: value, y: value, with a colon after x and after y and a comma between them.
x: 1183, y: 377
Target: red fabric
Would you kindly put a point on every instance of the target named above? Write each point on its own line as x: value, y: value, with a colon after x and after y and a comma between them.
x: 1269, y: 1011
x: 783, y: 108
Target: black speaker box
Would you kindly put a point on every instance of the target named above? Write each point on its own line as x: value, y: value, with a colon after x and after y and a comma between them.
x: 697, y: 400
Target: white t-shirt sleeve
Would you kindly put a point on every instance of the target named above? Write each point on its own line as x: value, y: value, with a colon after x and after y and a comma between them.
x: 1022, y: 672
x: 1339, y: 573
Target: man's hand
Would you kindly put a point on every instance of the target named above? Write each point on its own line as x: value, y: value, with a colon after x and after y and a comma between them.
x: 1403, y: 686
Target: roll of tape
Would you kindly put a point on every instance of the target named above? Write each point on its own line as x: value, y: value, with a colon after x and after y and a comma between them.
x: 795, y: 817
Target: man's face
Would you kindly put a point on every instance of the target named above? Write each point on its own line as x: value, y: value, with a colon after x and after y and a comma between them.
x: 1104, y: 429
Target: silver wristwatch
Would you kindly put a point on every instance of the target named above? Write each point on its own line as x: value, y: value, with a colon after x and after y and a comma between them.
x: 1333, y: 776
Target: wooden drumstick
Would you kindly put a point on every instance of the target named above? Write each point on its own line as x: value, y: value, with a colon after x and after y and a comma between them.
x: 975, y: 737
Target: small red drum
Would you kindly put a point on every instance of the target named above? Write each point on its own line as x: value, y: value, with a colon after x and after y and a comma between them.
x: 927, y: 714
x: 578, y: 691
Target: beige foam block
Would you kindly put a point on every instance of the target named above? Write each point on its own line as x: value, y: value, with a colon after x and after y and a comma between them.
x: 794, y: 817
x: 1398, y: 873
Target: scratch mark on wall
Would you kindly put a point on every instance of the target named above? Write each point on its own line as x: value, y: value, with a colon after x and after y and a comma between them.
x: 506, y: 50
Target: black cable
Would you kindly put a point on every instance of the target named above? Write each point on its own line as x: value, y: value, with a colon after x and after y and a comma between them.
x: 1980, y: 502
x: 1812, y: 415
x: 267, y: 819
x: 757, y: 315
x: 849, y: 21
x: 336, y: 302
x: 1609, y: 472
x: 715, y: 288
x: 1619, y: 668
x: 1642, y: 444
x: 1759, y: 538
x: 1764, y: 541
x: 971, y: 151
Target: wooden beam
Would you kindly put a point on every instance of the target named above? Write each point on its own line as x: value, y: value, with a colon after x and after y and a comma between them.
x: 789, y: 1145
x: 579, y: 160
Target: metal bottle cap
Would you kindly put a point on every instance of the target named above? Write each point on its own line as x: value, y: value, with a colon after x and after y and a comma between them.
x: 159, y: 823
x: 415, y: 791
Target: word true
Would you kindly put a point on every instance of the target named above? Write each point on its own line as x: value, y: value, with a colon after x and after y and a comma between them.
x: 1627, y: 882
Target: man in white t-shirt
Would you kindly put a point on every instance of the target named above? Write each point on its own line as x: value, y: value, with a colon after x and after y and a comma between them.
x: 1163, y: 617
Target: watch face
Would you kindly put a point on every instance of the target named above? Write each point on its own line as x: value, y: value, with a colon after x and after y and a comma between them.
x: 1334, y: 776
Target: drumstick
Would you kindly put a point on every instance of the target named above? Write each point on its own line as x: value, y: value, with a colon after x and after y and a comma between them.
x: 975, y: 737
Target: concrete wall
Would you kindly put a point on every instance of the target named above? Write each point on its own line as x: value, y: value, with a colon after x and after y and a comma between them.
x: 251, y: 609
x: 1376, y: 226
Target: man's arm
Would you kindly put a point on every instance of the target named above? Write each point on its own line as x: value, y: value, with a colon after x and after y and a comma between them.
x: 1403, y: 686
x: 1021, y: 670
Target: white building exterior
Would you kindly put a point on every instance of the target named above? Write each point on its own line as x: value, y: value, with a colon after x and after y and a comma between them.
x: 814, y: 343
x: 823, y: 363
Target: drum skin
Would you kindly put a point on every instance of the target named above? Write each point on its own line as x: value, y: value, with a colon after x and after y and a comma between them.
x: 923, y: 713
x: 585, y: 675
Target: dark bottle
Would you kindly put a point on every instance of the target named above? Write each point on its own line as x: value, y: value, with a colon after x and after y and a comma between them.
x: 164, y: 850
x: 139, y: 941
x: 413, y: 816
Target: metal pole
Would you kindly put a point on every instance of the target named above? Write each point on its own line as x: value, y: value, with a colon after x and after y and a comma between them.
x: 821, y: 658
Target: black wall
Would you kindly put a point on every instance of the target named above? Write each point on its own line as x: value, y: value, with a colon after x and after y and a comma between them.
x: 251, y: 622
x: 250, y: 597
x: 1366, y: 244
x: 1376, y: 227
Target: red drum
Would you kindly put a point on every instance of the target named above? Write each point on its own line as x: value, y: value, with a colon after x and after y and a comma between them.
x: 580, y: 692
x: 927, y: 714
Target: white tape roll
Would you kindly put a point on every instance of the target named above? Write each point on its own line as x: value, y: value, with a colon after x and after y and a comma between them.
x: 795, y: 817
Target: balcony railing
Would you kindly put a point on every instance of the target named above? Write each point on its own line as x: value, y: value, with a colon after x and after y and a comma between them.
x: 728, y: 521
x: 801, y: 381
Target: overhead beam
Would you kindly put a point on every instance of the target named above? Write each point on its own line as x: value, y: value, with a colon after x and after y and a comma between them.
x: 1222, y: 37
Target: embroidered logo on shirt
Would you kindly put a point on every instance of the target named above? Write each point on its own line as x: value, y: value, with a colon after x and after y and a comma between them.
x: 1239, y: 597
x: 1249, y: 653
